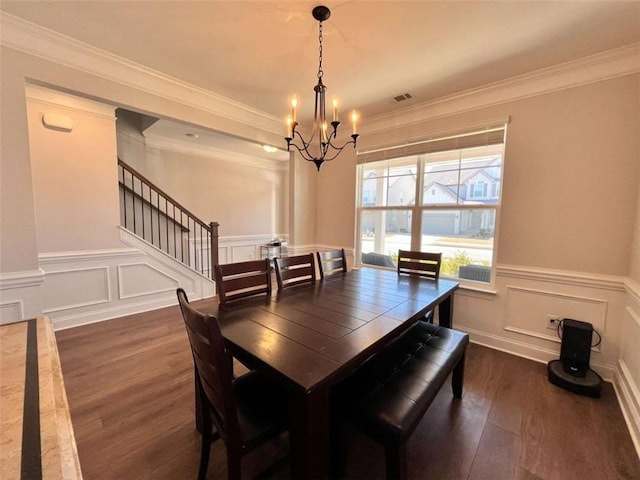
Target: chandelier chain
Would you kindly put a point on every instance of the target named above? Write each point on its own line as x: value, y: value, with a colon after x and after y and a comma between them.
x: 320, y: 72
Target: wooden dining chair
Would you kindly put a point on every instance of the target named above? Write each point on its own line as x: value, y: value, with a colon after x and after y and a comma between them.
x: 425, y: 264
x: 295, y: 270
x: 246, y: 411
x: 331, y: 262
x: 242, y: 279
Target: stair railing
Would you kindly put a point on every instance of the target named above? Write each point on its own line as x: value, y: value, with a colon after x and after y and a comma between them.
x: 157, y: 218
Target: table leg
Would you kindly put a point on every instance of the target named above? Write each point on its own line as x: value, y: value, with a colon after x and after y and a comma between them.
x: 445, y: 312
x: 309, y: 434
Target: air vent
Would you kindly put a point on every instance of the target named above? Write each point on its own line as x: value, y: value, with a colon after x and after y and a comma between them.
x: 403, y: 97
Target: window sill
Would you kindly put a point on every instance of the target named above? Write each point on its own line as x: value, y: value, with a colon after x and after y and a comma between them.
x: 488, y: 290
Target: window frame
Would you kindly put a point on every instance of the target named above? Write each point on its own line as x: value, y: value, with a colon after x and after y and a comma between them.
x: 419, y: 207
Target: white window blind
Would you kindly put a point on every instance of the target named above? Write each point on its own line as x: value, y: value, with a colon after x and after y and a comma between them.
x: 478, y: 137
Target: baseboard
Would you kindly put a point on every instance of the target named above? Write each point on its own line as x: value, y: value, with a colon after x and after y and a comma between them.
x: 70, y: 321
x: 526, y: 350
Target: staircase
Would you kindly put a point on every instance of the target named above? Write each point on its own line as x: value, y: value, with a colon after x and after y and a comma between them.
x: 151, y: 214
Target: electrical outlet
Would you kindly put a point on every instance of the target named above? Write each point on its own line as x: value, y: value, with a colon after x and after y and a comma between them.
x: 552, y: 322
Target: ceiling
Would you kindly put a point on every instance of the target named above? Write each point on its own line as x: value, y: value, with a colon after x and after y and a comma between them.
x: 261, y: 52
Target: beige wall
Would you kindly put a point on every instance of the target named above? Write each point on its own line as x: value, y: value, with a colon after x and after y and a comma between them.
x: 570, y: 181
x: 335, y: 211
x: 75, y: 179
x: 245, y: 200
x: 18, y: 248
x: 303, y: 204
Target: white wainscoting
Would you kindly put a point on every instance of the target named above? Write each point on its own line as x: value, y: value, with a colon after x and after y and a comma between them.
x: 513, y: 316
x: 242, y: 248
x: 91, y: 286
x: 20, y: 295
x: 627, y: 378
x: 85, y: 287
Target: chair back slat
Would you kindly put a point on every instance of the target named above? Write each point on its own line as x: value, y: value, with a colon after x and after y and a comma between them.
x: 212, y: 367
x: 425, y: 264
x: 295, y: 270
x: 331, y: 262
x: 242, y: 279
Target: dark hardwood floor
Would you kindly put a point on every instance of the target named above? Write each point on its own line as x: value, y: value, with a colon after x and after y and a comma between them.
x: 130, y: 388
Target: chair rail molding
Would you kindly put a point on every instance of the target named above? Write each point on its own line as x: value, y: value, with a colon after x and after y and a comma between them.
x: 20, y: 295
x: 607, y: 282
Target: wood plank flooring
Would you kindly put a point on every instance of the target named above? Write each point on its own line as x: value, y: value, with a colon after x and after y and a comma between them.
x: 129, y: 384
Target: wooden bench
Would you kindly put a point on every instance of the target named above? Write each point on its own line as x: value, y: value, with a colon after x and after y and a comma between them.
x: 389, y: 395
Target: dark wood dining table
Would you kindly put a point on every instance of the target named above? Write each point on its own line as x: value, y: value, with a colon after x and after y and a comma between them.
x: 311, y: 337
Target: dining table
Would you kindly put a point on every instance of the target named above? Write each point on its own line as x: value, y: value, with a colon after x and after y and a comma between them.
x: 311, y: 337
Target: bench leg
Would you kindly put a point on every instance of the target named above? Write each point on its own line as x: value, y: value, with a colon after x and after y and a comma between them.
x: 457, y: 378
x: 396, y: 461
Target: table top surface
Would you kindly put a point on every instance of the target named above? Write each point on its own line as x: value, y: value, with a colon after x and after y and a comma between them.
x: 314, y: 335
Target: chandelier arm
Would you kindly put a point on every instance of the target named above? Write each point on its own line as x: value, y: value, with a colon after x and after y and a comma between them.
x: 339, y: 149
x: 304, y: 150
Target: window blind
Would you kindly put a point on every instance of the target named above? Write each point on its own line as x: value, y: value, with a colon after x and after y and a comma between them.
x: 491, y: 135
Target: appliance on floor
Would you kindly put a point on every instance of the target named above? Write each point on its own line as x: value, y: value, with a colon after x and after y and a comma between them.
x: 572, y: 371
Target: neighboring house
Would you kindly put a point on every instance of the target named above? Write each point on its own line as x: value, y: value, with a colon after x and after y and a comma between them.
x: 480, y: 185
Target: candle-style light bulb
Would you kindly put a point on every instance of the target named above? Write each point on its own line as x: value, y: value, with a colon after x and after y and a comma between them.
x: 324, y: 132
x: 335, y: 109
x: 354, y: 120
x: 294, y: 106
x: 289, y: 127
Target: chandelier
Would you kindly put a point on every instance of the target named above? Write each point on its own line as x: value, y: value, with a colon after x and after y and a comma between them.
x: 320, y: 147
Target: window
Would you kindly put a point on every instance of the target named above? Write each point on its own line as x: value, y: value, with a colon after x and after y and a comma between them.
x: 440, y: 195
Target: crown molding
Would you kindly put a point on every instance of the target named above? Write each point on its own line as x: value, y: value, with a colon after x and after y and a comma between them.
x: 164, y: 143
x: 594, y: 68
x: 47, y: 44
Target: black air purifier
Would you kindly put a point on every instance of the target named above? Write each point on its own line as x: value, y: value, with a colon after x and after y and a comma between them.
x: 572, y: 371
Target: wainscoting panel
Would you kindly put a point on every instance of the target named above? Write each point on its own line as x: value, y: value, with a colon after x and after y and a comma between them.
x: 527, y: 310
x: 73, y: 288
x: 12, y: 311
x: 243, y: 253
x: 243, y: 248
x: 141, y: 279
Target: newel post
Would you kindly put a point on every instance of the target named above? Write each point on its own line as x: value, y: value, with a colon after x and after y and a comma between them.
x: 214, y: 246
